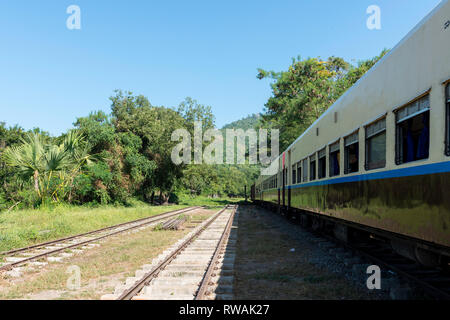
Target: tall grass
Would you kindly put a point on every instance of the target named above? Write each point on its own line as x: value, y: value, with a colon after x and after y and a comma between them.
x: 26, y: 227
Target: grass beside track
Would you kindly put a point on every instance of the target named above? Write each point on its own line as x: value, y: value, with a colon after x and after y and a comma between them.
x: 27, y: 227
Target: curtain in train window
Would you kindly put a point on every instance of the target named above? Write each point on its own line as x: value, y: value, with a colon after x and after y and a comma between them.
x: 299, y: 172
x: 294, y: 174
x: 322, y: 163
x: 351, y: 154
x: 335, y: 157
x: 413, y: 131
x: 312, y: 168
x: 447, y: 125
x: 376, y: 145
x: 305, y: 170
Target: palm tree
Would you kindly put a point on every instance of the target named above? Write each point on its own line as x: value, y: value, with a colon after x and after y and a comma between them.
x: 27, y: 158
x: 40, y: 161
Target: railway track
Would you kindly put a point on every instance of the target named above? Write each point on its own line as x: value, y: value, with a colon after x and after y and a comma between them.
x: 433, y: 281
x: 200, y: 266
x: 29, y: 255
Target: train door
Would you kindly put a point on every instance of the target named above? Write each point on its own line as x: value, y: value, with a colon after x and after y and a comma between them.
x: 283, y: 180
x: 289, y: 166
x: 278, y: 187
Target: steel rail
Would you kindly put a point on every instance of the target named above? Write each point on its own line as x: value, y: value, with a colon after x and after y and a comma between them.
x: 202, y: 291
x: 151, y: 220
x: 147, y: 278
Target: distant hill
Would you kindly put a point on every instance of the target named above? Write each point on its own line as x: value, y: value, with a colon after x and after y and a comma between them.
x: 244, y: 123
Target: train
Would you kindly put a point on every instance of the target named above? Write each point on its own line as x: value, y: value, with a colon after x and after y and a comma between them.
x: 377, y: 162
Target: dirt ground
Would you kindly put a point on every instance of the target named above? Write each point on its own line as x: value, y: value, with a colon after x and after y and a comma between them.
x: 273, y: 262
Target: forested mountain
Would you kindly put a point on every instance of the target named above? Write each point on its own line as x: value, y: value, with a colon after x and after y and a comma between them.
x: 248, y: 122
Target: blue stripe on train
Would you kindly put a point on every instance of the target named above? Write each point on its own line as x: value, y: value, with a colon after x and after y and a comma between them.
x: 397, y: 173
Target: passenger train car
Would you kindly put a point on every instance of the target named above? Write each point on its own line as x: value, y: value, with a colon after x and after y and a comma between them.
x: 378, y: 160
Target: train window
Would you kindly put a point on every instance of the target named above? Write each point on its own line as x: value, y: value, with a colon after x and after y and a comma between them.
x: 351, y: 154
x: 322, y: 163
x: 376, y: 145
x: 447, y: 126
x: 312, y: 168
x: 305, y: 170
x: 335, y: 156
x: 294, y: 174
x: 299, y: 172
x: 413, y: 131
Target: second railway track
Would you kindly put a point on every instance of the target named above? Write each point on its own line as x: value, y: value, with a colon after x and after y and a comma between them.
x: 29, y: 255
x: 199, y: 267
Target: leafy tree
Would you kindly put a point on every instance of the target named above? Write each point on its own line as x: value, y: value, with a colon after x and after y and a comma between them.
x: 51, y: 167
x: 192, y: 111
x: 10, y: 188
x: 200, y: 179
x: 123, y: 168
x: 308, y: 88
x: 154, y: 127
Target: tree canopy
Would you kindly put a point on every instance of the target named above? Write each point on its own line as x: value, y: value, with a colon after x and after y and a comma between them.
x: 307, y: 89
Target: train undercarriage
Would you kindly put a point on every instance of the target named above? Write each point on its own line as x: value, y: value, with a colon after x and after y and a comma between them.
x: 425, y: 254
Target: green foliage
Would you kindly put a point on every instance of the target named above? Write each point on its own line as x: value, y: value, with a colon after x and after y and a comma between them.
x: 219, y: 180
x: 98, y: 130
x: 50, y: 167
x: 200, y: 179
x: 211, y: 202
x: 307, y: 89
x: 135, y: 117
x: 192, y: 111
x: 249, y: 122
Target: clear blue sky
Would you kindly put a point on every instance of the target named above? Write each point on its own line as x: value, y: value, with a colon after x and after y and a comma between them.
x: 168, y: 50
